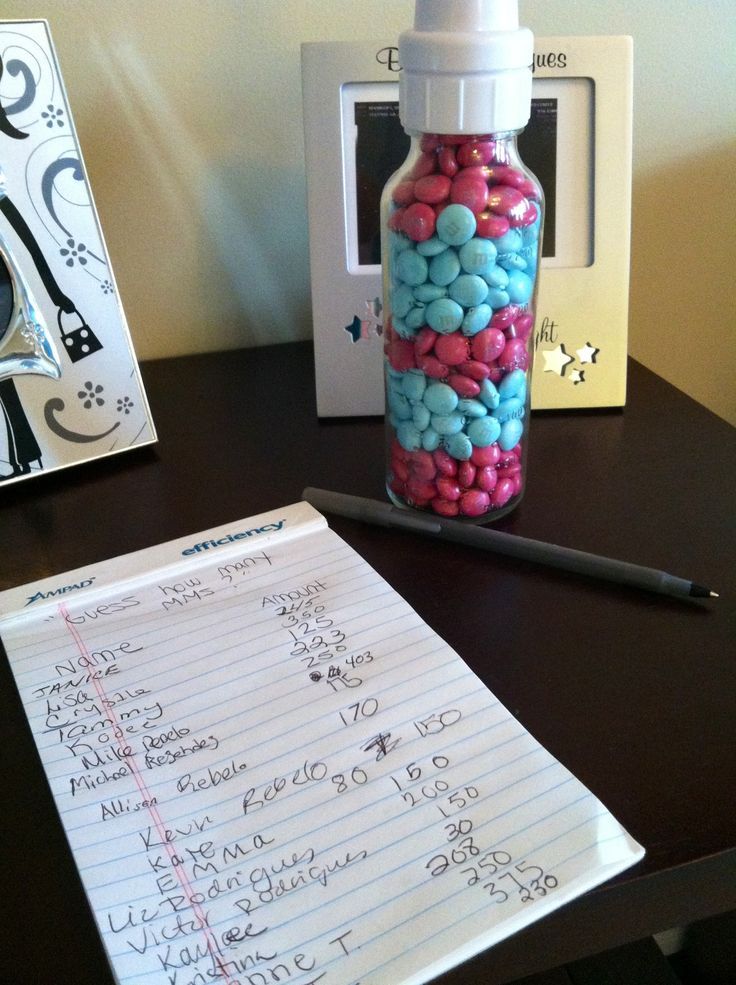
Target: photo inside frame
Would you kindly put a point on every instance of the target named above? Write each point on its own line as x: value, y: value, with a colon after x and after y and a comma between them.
x: 556, y: 145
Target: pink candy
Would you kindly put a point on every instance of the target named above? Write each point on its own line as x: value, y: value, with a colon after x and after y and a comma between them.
x: 445, y: 463
x: 486, y: 478
x: 488, y: 456
x: 487, y: 481
x: 491, y: 225
x: 470, y: 192
x: 431, y: 366
x: 433, y: 189
x: 488, y: 344
x: 463, y: 385
x: 403, y: 194
x: 526, y: 217
x: 448, y: 162
x: 504, y: 200
x: 475, y: 502
x: 505, y: 316
x: 451, y: 349
x: 423, y: 166
x: 423, y: 465
x: 425, y: 340
x: 418, y: 221
x: 514, y: 356
x: 449, y: 488
x: 475, y: 369
x: 502, y: 174
x: 395, y: 219
x: 502, y: 493
x: 400, y: 353
x: 475, y: 152
x: 445, y: 507
x: 522, y: 327
x: 466, y: 474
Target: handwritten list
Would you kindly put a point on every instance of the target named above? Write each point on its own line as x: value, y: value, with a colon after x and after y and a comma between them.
x: 270, y: 769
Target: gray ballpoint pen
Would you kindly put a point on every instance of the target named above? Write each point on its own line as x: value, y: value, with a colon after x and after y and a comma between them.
x: 592, y: 565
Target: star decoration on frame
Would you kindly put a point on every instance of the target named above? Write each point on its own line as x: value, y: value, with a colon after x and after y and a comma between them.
x: 588, y: 353
x: 556, y: 360
x: 577, y: 376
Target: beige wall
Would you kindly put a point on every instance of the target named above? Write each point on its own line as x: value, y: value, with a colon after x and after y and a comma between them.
x: 189, y: 114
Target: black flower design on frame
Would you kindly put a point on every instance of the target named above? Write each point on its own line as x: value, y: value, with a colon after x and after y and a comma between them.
x: 90, y: 395
x: 74, y: 252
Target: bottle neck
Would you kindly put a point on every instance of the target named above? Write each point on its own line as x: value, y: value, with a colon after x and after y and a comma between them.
x: 462, y: 151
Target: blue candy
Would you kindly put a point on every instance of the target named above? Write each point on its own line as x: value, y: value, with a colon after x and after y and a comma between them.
x: 399, y: 242
x: 496, y: 277
x: 431, y: 247
x: 520, y: 287
x: 497, y: 298
x: 411, y: 267
x: 530, y: 234
x: 399, y: 406
x: 512, y: 261
x: 511, y: 432
x: 489, y: 394
x: 476, y: 319
x: 402, y: 329
x: 446, y: 424
x: 409, y: 436
x: 468, y: 290
x: 430, y: 439
x: 513, y: 384
x: 413, y: 384
x: 402, y: 301
x: 456, y: 225
x: 421, y: 416
x: 444, y: 315
x: 510, y: 242
x: 429, y: 292
x: 511, y: 409
x: 459, y: 446
x: 471, y: 408
x: 477, y: 256
x: 443, y: 269
x: 415, y: 318
x: 440, y: 398
x: 484, y: 431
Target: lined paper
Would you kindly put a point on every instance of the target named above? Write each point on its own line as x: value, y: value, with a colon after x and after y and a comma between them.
x: 269, y: 768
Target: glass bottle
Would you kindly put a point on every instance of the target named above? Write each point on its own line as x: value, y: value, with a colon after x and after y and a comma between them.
x: 461, y: 242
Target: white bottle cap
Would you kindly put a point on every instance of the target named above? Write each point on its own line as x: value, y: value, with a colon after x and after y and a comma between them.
x: 466, y: 68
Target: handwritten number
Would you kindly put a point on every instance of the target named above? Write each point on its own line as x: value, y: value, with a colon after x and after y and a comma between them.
x: 358, y: 777
x: 361, y: 709
x: 436, y: 723
x: 455, y: 831
x: 494, y: 892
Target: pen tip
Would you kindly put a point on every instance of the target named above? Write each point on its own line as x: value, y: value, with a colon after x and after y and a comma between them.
x: 698, y: 592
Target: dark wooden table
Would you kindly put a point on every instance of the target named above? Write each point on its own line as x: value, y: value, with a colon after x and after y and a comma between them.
x: 633, y: 692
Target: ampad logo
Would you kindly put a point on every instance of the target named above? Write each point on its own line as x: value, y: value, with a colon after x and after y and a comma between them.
x: 58, y: 591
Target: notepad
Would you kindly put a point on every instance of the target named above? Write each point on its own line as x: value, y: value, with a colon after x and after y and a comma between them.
x: 269, y: 768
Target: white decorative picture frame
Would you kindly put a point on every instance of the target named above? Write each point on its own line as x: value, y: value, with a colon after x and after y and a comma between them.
x: 578, y: 142
x: 70, y: 387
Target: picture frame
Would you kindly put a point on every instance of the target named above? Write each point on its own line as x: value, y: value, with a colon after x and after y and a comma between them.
x: 578, y: 142
x: 70, y: 385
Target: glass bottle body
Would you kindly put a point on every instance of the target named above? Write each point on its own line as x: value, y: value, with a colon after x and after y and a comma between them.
x: 462, y: 227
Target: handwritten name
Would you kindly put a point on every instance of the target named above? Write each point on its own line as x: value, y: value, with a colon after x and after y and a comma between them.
x: 213, y: 778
